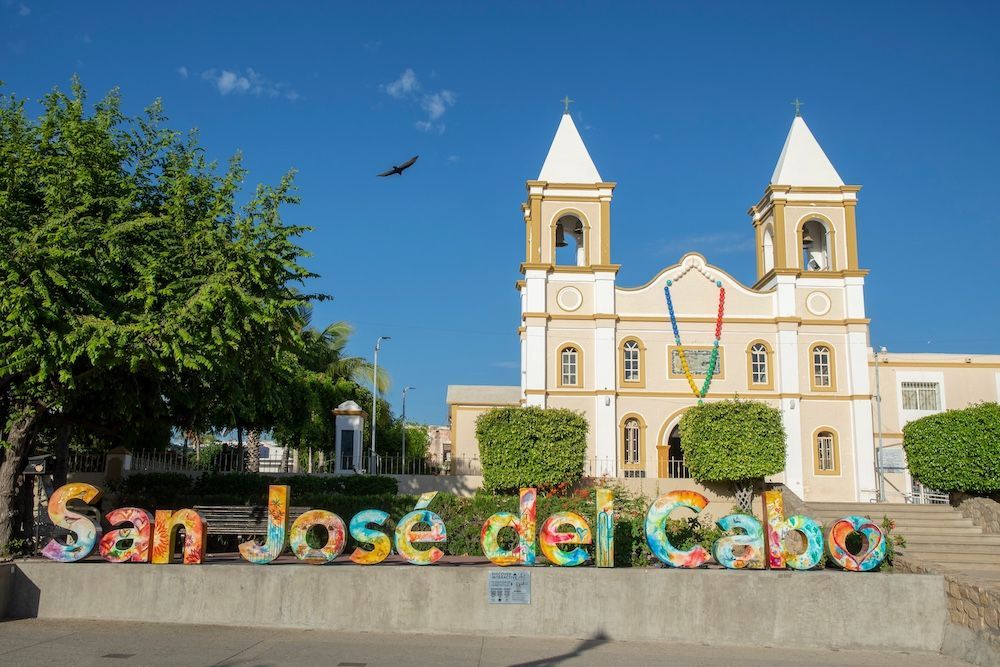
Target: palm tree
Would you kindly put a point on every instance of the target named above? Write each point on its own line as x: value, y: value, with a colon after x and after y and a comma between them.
x: 324, y: 352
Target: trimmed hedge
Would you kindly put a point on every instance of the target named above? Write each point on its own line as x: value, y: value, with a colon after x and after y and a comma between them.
x: 957, y: 450
x: 733, y: 441
x: 522, y: 447
x: 169, y: 490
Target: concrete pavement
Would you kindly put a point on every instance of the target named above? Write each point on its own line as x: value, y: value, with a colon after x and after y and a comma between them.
x: 35, y: 642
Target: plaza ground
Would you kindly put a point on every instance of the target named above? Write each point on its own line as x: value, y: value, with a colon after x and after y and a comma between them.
x: 35, y: 642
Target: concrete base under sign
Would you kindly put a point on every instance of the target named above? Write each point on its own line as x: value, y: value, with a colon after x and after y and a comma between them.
x: 805, y: 609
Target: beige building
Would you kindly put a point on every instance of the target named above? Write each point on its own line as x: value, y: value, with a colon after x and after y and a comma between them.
x: 439, y: 443
x: 798, y: 338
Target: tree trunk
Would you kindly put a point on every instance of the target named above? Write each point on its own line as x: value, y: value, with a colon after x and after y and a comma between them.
x: 13, y: 458
x: 60, y: 472
x: 253, y: 450
x: 239, y: 448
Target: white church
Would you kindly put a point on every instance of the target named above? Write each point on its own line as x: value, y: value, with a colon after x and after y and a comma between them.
x: 797, y: 338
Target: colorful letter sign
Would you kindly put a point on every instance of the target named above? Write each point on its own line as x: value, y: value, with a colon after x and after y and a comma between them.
x: 873, y: 544
x: 277, y: 529
x: 778, y: 528
x: 407, y: 535
x: 523, y: 525
x: 84, y: 531
x: 149, y: 540
x: 656, y: 534
x: 126, y: 544
x: 336, y: 537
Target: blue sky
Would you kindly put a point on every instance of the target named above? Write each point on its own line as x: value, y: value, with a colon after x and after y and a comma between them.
x: 687, y: 102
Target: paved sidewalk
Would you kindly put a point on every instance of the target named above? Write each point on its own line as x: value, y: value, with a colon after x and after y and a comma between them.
x: 35, y: 642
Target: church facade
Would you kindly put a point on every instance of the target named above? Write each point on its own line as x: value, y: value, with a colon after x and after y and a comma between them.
x: 798, y: 338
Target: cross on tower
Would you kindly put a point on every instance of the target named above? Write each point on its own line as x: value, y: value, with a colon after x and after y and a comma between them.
x: 798, y: 104
x: 566, y: 101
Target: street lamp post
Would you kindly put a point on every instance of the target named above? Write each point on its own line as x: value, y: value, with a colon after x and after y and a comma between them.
x: 402, y: 458
x: 878, y: 412
x: 378, y: 346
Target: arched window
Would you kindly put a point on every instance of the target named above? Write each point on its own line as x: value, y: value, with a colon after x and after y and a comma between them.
x: 768, y: 248
x: 570, y: 247
x: 675, y: 456
x: 570, y: 368
x: 759, y: 366
x: 822, y: 367
x: 633, y: 441
x: 827, y: 458
x: 631, y: 373
x: 630, y: 361
x: 815, y: 246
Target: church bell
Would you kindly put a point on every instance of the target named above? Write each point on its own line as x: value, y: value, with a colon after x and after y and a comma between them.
x: 560, y: 237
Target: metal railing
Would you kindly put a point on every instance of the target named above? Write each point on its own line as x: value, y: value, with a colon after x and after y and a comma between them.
x: 87, y: 462
x: 227, y: 460
x: 396, y: 465
x: 677, y: 470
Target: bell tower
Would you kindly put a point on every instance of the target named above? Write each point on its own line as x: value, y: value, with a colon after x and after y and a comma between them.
x: 805, y: 223
x: 567, y: 292
x: 567, y: 215
x: 807, y: 255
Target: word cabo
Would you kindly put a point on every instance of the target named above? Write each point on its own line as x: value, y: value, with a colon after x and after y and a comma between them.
x: 139, y: 537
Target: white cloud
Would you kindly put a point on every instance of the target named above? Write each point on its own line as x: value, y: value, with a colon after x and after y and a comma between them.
x: 248, y: 82
x: 404, y: 86
x: 183, y: 71
x: 454, y: 158
x: 434, y: 103
x: 23, y: 10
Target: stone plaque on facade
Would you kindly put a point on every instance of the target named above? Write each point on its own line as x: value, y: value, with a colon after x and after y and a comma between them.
x: 697, y: 361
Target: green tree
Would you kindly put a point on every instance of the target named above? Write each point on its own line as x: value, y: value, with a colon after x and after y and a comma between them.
x: 134, y: 292
x: 733, y: 441
x: 957, y: 450
x: 531, y: 446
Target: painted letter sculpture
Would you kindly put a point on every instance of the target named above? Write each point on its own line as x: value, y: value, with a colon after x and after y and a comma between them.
x: 137, y: 537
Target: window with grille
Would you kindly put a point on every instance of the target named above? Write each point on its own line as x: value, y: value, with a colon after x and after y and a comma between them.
x: 822, y: 377
x: 825, y: 455
x: 631, y: 361
x: 921, y: 396
x: 632, y: 442
x: 570, y: 366
x: 758, y: 364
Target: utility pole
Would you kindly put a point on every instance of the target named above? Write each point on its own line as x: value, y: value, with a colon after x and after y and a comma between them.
x: 378, y: 346
x: 880, y: 473
x: 402, y: 458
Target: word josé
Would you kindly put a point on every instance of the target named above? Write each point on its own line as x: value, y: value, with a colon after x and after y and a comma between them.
x: 139, y: 537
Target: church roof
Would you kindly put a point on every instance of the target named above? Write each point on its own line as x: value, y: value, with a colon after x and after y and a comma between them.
x: 483, y: 394
x: 568, y: 160
x: 803, y: 162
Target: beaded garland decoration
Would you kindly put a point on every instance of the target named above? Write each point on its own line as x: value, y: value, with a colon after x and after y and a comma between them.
x: 713, y: 360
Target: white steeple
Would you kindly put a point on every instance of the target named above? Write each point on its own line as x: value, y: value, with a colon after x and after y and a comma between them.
x: 568, y: 160
x: 803, y: 162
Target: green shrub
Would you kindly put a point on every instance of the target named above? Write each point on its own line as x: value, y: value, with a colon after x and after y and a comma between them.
x: 171, y: 490
x: 521, y: 447
x: 153, y: 490
x: 958, y: 450
x: 733, y: 441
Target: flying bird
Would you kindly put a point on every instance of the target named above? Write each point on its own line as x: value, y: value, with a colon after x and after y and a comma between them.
x: 399, y: 169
